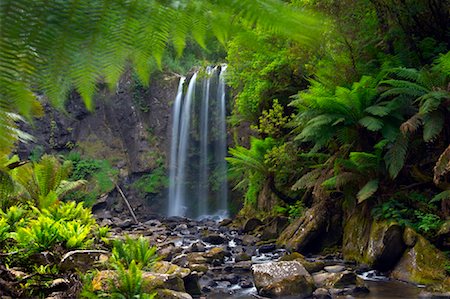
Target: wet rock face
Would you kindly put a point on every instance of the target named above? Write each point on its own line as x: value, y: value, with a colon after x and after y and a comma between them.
x: 278, y: 279
x: 118, y: 129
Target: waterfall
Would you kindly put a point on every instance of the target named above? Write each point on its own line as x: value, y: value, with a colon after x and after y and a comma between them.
x: 176, y: 111
x: 197, y: 179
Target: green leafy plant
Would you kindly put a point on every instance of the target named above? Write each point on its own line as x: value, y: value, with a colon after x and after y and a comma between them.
x: 46, y: 181
x: 272, y: 121
x: 136, y: 251
x: 155, y: 181
x: 248, y: 169
x: 129, y: 283
x: 99, y: 174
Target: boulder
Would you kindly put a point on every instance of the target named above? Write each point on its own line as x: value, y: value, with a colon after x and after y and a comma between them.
x: 164, y: 267
x: 385, y: 246
x: 251, y: 224
x: 277, y: 279
x: 317, y: 229
x: 422, y: 263
x: 379, y: 244
x: 336, y: 280
x: 310, y: 266
x: 274, y: 228
x: 334, y: 268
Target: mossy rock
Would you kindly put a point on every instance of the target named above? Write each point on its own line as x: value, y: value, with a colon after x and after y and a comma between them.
x: 311, y: 267
x: 150, y: 281
x: 356, y: 237
x: 422, y: 264
x: 379, y: 244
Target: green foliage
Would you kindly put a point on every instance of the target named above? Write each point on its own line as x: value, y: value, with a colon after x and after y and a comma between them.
x: 411, y: 209
x: 99, y: 174
x: 45, y: 182
x: 67, y: 224
x: 293, y: 211
x: 272, y: 122
x: 137, y: 251
x: 153, y: 182
x: 262, y: 68
x: 248, y: 169
x: 129, y: 284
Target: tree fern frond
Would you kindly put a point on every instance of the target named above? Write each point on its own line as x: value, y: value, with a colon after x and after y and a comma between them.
x: 308, y: 180
x: 442, y: 166
x: 68, y: 186
x: 412, y: 124
x: 444, y: 195
x: 433, y: 123
x: 395, y: 157
x: 367, y: 190
x: 371, y: 123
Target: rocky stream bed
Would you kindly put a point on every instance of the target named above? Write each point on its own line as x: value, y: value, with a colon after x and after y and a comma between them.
x: 213, y: 258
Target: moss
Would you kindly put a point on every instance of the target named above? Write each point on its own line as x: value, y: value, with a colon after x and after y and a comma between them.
x: 421, y: 264
x: 356, y: 237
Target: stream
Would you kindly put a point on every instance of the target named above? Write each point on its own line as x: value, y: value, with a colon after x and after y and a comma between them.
x: 184, y: 240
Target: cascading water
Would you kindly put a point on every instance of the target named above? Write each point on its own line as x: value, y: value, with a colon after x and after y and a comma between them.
x: 198, y: 180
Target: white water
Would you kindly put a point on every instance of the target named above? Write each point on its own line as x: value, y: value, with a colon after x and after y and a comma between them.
x: 177, y: 204
x: 198, y: 179
x: 176, y: 111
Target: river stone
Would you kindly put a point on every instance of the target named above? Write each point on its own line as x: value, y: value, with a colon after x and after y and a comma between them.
x: 334, y: 268
x: 82, y: 259
x: 164, y: 267
x: 276, y: 279
x: 216, y: 253
x: 311, y: 267
x: 225, y: 222
x: 321, y: 293
x: 251, y: 224
x: 215, y: 239
x: 171, y: 294
x: 422, y: 264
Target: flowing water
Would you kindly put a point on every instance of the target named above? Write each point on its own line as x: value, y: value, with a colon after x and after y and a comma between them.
x: 198, y: 184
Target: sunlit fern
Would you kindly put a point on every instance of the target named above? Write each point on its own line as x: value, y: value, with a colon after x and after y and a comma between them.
x: 50, y: 47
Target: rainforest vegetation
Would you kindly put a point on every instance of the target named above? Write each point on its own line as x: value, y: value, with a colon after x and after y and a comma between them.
x: 339, y: 112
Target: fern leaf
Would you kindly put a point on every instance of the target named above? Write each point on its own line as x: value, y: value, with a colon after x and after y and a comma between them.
x: 367, y: 190
x: 308, y: 180
x: 371, y: 123
x: 395, y: 157
x: 442, y: 166
x: 412, y: 124
x: 444, y: 195
x: 433, y: 124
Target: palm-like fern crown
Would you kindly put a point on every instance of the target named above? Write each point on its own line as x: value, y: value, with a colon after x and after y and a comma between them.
x: 325, y: 114
x: 52, y: 46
